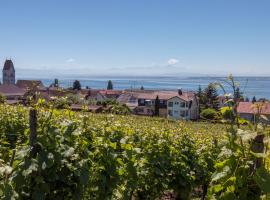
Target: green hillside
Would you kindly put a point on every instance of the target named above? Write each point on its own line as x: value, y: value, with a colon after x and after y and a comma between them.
x: 103, y: 156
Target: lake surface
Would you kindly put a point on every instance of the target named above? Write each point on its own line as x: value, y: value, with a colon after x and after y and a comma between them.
x: 250, y: 86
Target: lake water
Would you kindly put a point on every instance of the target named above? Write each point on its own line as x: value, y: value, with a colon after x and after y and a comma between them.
x: 250, y: 86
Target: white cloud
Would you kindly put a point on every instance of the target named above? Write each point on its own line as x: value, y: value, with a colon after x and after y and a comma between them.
x: 70, y: 60
x: 172, y: 61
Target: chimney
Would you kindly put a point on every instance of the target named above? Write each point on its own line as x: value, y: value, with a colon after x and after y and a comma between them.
x: 180, y: 92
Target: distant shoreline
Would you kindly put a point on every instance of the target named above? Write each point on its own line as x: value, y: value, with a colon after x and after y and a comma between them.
x: 250, y: 85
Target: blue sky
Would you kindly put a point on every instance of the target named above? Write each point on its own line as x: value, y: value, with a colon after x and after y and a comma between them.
x: 138, y: 37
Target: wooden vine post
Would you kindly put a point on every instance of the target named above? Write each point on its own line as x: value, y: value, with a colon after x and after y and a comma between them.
x: 258, y: 147
x: 33, y: 128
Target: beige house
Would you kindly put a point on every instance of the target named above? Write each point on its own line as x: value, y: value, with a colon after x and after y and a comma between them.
x: 178, y: 108
x: 172, y: 104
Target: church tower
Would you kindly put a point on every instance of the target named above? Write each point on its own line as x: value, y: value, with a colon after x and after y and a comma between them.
x: 9, y: 73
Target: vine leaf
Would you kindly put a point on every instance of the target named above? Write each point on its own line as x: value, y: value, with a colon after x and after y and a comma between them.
x: 262, y: 178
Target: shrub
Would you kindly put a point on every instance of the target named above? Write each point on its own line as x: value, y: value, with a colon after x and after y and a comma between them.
x: 209, y: 114
x: 2, y: 99
x: 226, y: 113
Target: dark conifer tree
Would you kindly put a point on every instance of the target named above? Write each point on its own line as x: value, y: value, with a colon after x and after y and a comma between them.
x: 76, y: 85
x: 254, y: 99
x: 211, y: 97
x: 157, y: 102
x: 110, y: 85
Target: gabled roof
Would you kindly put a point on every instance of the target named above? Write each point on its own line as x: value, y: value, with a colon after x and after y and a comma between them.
x: 250, y: 108
x: 166, y: 95
x: 11, y: 90
x: 8, y: 65
x: 110, y: 92
x: 30, y: 84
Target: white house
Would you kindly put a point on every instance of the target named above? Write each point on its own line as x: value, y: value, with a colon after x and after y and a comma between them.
x: 178, y: 108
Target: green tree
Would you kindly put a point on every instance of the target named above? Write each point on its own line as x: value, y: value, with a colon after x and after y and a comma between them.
x: 110, y: 85
x: 254, y: 99
x: 56, y: 83
x: 201, y: 98
x: 239, y: 94
x: 76, y: 85
x: 211, y: 97
x: 157, y: 102
x: 142, y: 88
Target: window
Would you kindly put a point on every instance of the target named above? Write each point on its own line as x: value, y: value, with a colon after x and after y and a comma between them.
x: 170, y: 104
x: 176, y: 103
x: 176, y: 112
x: 183, y: 104
x: 170, y: 112
x: 183, y: 114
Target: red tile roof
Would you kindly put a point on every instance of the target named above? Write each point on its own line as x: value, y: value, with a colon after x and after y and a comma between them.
x: 250, y: 108
x: 30, y: 84
x: 8, y: 65
x: 165, y: 95
x: 110, y: 92
x: 11, y: 90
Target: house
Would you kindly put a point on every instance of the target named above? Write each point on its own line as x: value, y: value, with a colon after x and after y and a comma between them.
x: 102, y: 95
x: 26, y: 85
x: 180, y: 108
x: 11, y: 92
x: 8, y: 73
x: 109, y: 94
x: 94, y: 95
x: 129, y: 98
x: 172, y: 104
x: 249, y: 110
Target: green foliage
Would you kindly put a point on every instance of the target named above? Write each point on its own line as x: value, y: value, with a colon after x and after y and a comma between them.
x: 2, y: 99
x: 226, y: 113
x: 208, y: 98
x: 62, y: 102
x: 56, y: 83
x: 254, y: 99
x: 209, y: 114
x: 76, y: 85
x: 110, y: 85
x: 241, y: 171
x: 211, y: 97
x: 90, y: 156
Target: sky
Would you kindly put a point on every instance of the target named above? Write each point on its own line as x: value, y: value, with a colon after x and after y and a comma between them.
x: 136, y: 37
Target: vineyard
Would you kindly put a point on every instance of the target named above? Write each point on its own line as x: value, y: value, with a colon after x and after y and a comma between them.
x: 103, y: 156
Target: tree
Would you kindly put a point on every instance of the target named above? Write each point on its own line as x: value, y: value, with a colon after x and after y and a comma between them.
x: 239, y: 94
x: 76, y: 85
x: 254, y: 99
x: 157, y: 102
x: 142, y: 88
x: 201, y: 98
x: 211, y: 97
x: 247, y: 99
x: 110, y: 85
x: 56, y: 83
